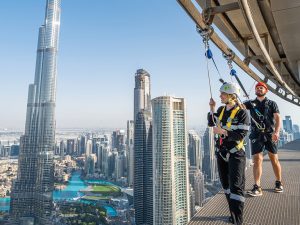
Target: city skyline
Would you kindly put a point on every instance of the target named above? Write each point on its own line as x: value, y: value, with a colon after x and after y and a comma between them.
x: 153, y: 172
x: 95, y: 77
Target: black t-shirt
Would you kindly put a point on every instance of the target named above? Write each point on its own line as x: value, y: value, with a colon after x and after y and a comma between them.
x: 268, y: 115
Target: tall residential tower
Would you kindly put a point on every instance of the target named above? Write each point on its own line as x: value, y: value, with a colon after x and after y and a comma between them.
x: 170, y: 162
x: 31, y: 199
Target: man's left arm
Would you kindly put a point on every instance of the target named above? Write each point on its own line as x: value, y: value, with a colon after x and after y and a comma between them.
x: 275, y: 135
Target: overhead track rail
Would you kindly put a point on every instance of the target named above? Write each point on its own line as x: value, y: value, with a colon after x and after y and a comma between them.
x: 270, y: 72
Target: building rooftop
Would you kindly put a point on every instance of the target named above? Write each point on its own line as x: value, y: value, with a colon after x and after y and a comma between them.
x: 270, y: 208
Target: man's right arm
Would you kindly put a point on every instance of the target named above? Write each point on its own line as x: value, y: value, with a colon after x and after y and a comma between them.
x: 247, y: 105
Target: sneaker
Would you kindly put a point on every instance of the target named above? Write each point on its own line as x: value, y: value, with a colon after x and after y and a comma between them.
x: 230, y: 220
x: 256, y: 191
x: 278, y: 187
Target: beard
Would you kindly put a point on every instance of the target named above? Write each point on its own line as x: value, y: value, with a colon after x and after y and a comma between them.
x: 260, y: 94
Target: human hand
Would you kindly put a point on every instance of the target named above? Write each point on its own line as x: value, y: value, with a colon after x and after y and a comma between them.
x: 275, y: 136
x: 212, y: 104
x: 219, y: 130
x: 243, y: 106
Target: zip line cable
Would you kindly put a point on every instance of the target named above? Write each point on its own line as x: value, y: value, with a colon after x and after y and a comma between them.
x: 233, y: 72
x: 208, y: 76
x: 206, y: 33
x: 252, y: 87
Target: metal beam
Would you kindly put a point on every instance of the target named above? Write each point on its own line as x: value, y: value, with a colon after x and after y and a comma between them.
x: 248, y: 59
x: 224, y: 8
x: 266, y: 12
x: 250, y: 22
x: 196, y: 16
x: 223, y: 17
x: 209, y: 12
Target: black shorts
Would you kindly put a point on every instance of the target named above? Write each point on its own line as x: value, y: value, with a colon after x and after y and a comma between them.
x: 258, y: 145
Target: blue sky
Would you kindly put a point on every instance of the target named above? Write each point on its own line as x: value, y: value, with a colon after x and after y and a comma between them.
x: 102, y: 44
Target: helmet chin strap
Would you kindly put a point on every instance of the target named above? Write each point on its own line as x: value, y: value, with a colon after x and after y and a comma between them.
x: 229, y: 101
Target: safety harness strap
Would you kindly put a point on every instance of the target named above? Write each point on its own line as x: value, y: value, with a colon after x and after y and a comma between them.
x: 240, y: 144
x: 230, y: 118
x: 263, y: 118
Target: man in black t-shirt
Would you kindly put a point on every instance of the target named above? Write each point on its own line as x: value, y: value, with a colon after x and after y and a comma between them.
x: 265, y: 127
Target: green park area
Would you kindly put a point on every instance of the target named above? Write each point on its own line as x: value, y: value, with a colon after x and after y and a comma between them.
x: 105, y: 189
x: 95, y: 198
x: 97, y: 192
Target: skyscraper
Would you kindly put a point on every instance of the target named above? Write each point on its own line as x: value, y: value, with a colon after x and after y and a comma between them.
x: 90, y: 162
x: 31, y: 198
x: 296, y: 131
x: 130, y: 153
x: 89, y: 158
x: 296, y: 128
x: 209, y: 159
x: 142, y: 95
x: 89, y: 147
x: 143, y: 177
x: 104, y: 160
x: 197, y: 182
x: 118, y: 140
x: 192, y: 201
x: 120, y: 166
x: 194, y: 149
x: 288, y: 124
x: 82, y: 146
x: 171, y: 202
x: 62, y: 147
x: 143, y: 185
x: 70, y: 146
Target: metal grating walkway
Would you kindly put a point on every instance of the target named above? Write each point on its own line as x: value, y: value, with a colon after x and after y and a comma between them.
x: 269, y: 209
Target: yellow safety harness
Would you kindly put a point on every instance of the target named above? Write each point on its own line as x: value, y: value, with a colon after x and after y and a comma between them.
x: 240, y: 144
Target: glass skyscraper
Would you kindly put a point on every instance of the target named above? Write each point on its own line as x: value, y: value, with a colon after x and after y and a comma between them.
x: 194, y: 149
x: 142, y: 95
x: 209, y: 160
x: 170, y: 162
x: 31, y: 199
x: 130, y: 153
x: 143, y: 180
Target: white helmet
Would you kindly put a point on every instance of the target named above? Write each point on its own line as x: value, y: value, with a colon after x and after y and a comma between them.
x: 230, y: 88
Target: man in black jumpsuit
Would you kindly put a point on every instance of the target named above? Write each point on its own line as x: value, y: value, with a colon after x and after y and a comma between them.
x: 265, y: 127
x: 230, y: 153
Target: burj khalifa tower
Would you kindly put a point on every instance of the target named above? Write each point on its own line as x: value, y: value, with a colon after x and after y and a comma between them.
x: 31, y: 198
